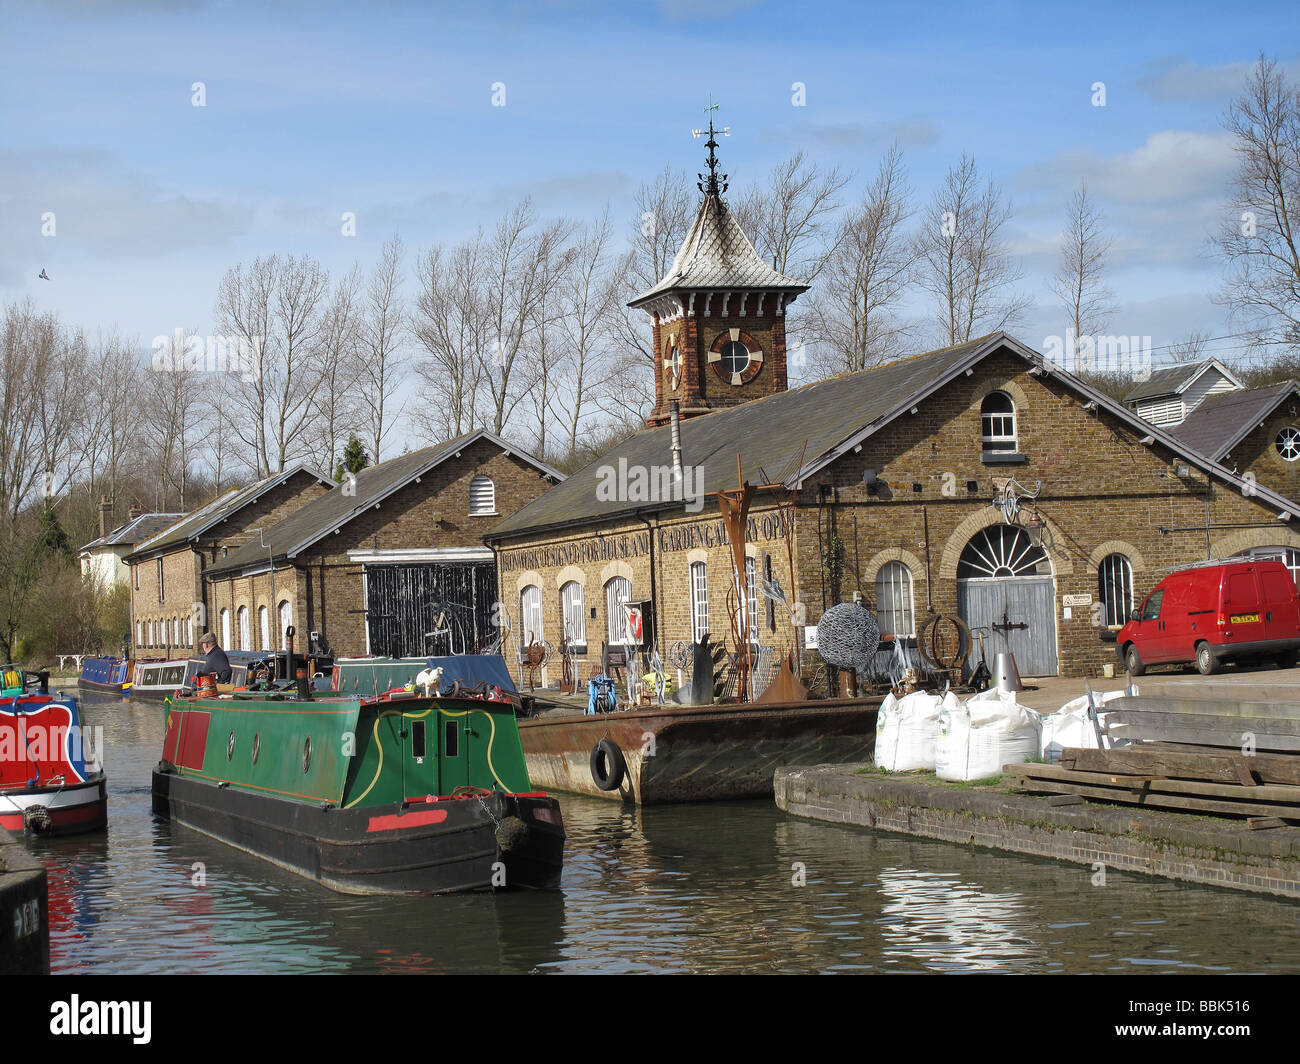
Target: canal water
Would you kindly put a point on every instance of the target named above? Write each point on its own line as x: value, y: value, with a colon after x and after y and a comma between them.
x: 728, y: 887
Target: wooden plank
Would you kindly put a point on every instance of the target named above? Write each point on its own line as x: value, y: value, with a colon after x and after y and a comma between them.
x: 1184, y: 734
x: 1154, y: 800
x: 1276, y: 726
x: 1206, y: 707
x: 1259, y: 793
x: 1259, y: 823
x: 1175, y: 764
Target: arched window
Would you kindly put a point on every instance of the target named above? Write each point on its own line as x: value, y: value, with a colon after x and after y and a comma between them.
x: 618, y: 591
x: 748, y: 596
x: 245, y: 636
x: 998, y: 423
x: 225, y: 629
x: 482, y: 497
x: 264, y: 623
x: 530, y: 616
x: 573, y: 610
x: 286, y: 619
x: 139, y: 633
x: 894, y: 600
x: 699, y: 600
x: 1115, y: 589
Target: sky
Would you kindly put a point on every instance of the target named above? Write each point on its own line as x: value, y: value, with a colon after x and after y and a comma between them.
x: 385, y: 110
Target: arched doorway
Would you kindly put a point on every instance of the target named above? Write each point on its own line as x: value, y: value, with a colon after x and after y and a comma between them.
x: 1005, y: 585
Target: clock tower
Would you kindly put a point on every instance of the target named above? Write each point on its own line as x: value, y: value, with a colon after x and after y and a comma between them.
x: 718, y: 314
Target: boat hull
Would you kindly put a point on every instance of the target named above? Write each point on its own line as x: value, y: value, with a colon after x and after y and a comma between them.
x: 70, y: 810
x: 415, y: 847
x: 697, y: 753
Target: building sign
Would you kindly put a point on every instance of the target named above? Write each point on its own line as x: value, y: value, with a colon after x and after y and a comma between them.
x: 765, y: 526
x: 1076, y: 600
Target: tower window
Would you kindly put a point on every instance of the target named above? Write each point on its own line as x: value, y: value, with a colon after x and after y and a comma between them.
x: 735, y: 357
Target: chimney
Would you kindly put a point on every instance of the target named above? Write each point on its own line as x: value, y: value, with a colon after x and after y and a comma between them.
x: 135, y: 511
x: 674, y: 413
x: 105, y: 515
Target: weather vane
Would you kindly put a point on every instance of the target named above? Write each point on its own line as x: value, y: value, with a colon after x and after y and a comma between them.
x: 710, y: 188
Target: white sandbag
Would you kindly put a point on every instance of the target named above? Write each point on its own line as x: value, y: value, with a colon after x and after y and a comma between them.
x: 1069, y: 726
x: 990, y: 730
x: 907, y: 731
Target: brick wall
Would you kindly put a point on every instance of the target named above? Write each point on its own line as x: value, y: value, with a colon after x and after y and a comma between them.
x: 326, y: 588
x: 1102, y: 493
x: 1257, y: 453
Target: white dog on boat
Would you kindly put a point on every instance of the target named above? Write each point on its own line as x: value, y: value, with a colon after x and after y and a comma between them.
x: 430, y: 678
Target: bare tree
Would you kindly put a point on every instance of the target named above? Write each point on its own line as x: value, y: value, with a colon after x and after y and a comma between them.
x: 383, y: 333
x: 963, y: 260
x: 1260, y: 240
x: 854, y: 318
x: 516, y: 282
x: 590, y: 297
x: 273, y: 307
x: 176, y: 413
x: 791, y: 219
x: 344, y: 356
x: 452, y: 325
x: 1078, y: 282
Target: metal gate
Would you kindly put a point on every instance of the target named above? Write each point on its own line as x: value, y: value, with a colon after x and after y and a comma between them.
x: 423, y: 610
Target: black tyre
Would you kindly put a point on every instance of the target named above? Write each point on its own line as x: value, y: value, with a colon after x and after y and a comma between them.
x: 1133, y: 661
x: 1206, y: 664
x: 607, y: 765
x: 1286, y: 660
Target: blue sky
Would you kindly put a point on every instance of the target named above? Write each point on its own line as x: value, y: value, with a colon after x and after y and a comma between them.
x: 385, y: 110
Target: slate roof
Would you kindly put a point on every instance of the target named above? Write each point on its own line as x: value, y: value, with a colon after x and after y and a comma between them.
x: 1174, y: 380
x: 1222, y: 421
x: 209, y: 516
x: 833, y: 416
x: 334, y: 509
x: 716, y: 255
x: 134, y: 531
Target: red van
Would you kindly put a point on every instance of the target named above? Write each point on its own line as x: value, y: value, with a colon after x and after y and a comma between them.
x: 1236, y: 610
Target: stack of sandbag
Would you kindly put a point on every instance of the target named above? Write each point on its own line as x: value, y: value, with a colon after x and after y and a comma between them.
x: 907, y: 730
x: 989, y: 730
x: 1069, y: 726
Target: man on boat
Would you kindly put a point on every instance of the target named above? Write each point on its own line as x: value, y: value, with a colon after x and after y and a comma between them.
x: 215, y: 662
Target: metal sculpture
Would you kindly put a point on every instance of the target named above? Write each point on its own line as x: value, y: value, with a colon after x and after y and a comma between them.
x: 847, y: 636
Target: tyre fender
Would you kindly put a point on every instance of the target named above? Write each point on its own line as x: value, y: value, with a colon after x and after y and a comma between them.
x: 608, y: 766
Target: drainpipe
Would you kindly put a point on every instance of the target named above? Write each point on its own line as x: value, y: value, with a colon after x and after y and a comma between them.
x: 674, y: 409
x: 654, y: 593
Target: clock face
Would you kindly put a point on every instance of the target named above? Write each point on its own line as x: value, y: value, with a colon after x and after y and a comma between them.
x: 673, y: 365
x: 736, y: 357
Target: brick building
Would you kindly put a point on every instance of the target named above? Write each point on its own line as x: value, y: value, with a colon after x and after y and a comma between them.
x: 897, y: 469
x: 392, y: 562
x: 168, y: 612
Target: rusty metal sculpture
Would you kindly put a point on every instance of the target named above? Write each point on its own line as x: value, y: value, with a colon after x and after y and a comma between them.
x: 535, y: 656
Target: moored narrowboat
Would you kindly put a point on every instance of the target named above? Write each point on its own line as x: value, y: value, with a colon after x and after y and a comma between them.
x: 51, y: 782
x: 400, y: 792
x: 105, y: 674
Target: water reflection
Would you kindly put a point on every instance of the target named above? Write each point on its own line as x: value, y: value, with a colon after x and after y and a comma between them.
x: 705, y: 888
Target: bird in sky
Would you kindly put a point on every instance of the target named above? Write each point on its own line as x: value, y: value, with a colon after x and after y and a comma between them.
x: 43, y: 275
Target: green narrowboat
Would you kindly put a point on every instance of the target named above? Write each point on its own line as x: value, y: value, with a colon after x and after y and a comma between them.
x: 399, y: 792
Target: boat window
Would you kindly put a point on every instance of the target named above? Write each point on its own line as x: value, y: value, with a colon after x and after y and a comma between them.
x: 306, y: 754
x: 450, y: 746
x: 417, y: 739
x: 257, y: 745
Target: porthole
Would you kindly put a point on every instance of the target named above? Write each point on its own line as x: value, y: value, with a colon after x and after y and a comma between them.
x: 230, y: 747
x: 257, y: 746
x: 1288, y: 443
x: 736, y: 357
x: 306, y: 755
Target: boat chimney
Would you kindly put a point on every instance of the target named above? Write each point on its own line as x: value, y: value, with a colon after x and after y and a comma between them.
x: 675, y: 416
x: 105, y: 514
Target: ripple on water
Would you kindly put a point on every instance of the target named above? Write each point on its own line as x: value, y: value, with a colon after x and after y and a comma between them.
x: 700, y: 888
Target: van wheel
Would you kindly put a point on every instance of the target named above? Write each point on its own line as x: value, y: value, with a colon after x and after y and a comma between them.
x: 1286, y: 660
x: 1133, y: 661
x: 1205, y: 663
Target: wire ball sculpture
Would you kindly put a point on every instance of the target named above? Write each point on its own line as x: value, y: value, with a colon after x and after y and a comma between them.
x: 847, y: 636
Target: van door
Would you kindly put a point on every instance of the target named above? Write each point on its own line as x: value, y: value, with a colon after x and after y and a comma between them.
x: 1244, y: 606
x: 1149, y: 638
x: 1281, y: 613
